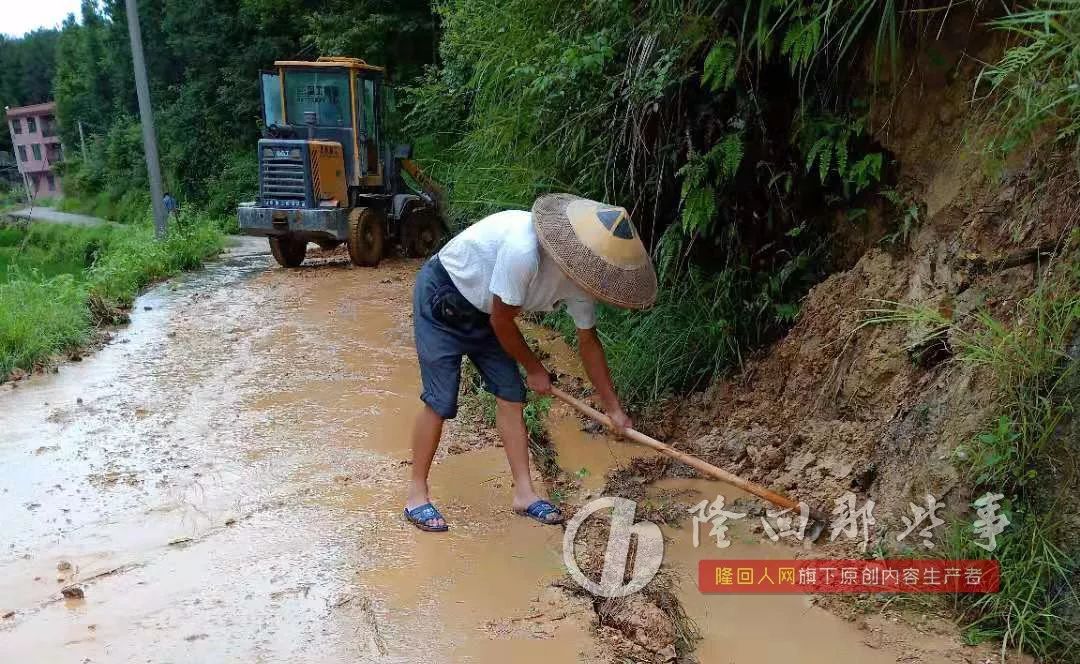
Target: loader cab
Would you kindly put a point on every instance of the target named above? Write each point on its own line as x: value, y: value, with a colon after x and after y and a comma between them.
x: 333, y: 100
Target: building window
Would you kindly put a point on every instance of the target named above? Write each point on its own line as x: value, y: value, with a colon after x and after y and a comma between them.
x: 31, y: 125
x: 22, y: 153
x: 36, y: 149
x: 16, y: 126
x: 52, y: 181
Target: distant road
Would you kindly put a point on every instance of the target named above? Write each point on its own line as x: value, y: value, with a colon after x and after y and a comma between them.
x: 55, y: 217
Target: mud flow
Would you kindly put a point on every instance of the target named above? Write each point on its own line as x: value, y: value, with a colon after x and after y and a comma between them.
x: 223, y: 482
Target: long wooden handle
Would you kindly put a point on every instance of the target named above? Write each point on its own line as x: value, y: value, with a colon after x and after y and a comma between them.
x: 699, y: 464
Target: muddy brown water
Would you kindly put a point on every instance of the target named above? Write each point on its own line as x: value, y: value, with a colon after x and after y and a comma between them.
x: 224, y: 479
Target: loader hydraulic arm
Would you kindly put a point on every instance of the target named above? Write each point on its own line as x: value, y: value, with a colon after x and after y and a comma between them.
x: 431, y: 189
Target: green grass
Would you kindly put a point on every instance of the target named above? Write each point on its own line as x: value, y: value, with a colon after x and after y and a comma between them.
x: 43, y: 313
x: 40, y: 317
x: 1028, y: 454
x: 131, y: 207
x: 51, y: 249
x: 12, y: 260
x: 1034, y: 85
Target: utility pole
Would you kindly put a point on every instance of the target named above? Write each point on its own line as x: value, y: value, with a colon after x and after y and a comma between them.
x: 146, y: 117
x: 82, y: 141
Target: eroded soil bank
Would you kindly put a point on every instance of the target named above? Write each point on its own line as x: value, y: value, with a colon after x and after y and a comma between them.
x: 222, y: 481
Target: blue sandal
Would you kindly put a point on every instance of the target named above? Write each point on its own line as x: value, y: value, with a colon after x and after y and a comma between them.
x: 419, y: 516
x: 540, y: 510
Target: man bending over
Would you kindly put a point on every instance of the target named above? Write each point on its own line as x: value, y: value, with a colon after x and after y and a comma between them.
x: 569, y: 251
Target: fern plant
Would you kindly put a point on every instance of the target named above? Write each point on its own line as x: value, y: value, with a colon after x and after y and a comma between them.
x: 701, y: 174
x: 721, y: 65
x: 907, y: 207
x: 827, y: 140
x: 801, y: 43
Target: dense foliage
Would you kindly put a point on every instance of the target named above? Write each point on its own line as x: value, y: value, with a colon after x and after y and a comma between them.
x: 203, y: 59
x: 727, y: 129
x: 1034, y: 85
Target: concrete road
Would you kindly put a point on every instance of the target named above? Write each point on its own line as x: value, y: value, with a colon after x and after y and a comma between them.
x: 55, y: 216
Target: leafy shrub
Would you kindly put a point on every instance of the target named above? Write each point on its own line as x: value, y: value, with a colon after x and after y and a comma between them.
x: 235, y: 183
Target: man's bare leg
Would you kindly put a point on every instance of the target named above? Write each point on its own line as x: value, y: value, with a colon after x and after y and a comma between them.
x: 510, y: 421
x: 425, y: 440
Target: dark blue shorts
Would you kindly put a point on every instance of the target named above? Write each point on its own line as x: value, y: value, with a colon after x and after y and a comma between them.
x: 446, y: 327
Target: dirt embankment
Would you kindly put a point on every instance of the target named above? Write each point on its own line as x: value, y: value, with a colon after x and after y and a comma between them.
x: 879, y: 409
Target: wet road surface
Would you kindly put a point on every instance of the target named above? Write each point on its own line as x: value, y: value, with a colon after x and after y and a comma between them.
x: 224, y: 481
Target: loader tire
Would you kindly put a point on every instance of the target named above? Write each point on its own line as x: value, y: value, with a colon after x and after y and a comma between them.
x: 288, y: 251
x: 366, y: 236
x: 421, y: 233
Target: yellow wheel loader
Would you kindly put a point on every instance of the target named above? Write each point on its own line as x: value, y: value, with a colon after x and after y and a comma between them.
x: 327, y: 174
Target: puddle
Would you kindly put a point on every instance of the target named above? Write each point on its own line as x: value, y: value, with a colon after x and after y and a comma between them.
x: 587, y: 456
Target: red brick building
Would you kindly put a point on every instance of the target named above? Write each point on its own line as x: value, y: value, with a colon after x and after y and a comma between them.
x: 36, y: 147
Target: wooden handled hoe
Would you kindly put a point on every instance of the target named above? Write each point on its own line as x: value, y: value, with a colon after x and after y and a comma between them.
x: 818, y: 519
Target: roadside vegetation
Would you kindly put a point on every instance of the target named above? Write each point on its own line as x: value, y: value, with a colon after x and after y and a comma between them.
x: 1028, y: 455
x: 1025, y: 454
x: 662, y: 110
x: 61, y: 283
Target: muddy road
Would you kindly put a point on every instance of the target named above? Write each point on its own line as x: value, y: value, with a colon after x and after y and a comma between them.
x: 223, y: 482
x: 224, y: 479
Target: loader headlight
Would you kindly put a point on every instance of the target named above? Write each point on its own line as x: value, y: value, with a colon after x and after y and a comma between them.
x: 268, y: 153
x: 294, y: 153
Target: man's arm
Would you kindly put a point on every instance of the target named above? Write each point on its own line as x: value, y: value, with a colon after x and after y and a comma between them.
x: 592, y: 356
x: 512, y: 341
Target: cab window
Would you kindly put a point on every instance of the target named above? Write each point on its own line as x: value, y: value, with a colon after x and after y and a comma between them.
x: 324, y: 92
x: 271, y: 98
x: 368, y: 124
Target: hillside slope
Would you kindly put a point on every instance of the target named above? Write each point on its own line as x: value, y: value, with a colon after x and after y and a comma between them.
x: 883, y: 387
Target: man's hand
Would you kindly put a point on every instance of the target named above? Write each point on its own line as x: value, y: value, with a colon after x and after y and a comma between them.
x: 539, y: 381
x: 621, y: 422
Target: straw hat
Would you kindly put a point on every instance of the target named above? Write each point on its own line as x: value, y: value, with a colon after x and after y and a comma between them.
x: 597, y: 246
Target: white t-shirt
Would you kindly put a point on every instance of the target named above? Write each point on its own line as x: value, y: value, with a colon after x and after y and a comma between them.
x: 500, y: 255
